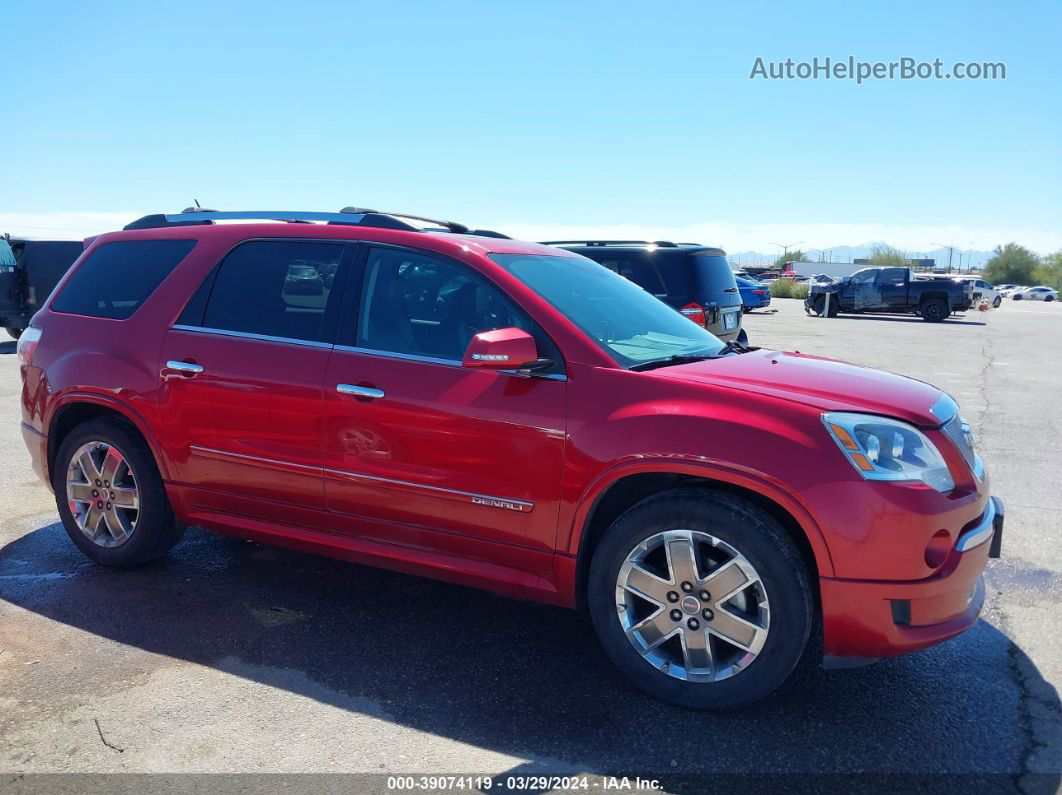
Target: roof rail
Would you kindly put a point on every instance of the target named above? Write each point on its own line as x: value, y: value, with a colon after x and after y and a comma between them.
x: 353, y: 216
x: 658, y: 243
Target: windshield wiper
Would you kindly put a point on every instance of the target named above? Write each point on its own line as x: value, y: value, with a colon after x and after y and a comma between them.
x: 678, y: 358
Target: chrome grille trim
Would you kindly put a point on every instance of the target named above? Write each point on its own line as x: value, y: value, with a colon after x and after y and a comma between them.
x: 953, y: 430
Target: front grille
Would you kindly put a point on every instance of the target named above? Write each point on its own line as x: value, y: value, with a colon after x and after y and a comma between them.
x: 953, y: 429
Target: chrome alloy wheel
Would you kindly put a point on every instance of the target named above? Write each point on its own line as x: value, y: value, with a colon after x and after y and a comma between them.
x: 692, y: 606
x: 102, y: 494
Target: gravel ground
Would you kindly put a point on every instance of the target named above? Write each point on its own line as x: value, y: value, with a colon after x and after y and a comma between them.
x: 234, y: 657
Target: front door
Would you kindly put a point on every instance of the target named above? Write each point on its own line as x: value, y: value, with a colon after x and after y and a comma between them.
x: 423, y: 452
x: 241, y: 379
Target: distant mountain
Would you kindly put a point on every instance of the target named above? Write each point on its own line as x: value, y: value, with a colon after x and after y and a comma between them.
x: 970, y: 259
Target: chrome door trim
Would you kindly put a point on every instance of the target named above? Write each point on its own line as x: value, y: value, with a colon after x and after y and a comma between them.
x: 521, y: 506
x: 270, y: 463
x: 414, y: 357
x: 487, y: 500
x: 248, y: 336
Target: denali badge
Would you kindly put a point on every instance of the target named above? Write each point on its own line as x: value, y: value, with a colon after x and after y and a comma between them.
x: 510, y: 505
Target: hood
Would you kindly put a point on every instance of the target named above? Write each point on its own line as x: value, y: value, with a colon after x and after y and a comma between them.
x: 827, y: 384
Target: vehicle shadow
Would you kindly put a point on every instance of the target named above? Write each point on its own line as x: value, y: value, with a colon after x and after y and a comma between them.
x: 514, y: 677
x: 8, y: 346
x: 951, y: 321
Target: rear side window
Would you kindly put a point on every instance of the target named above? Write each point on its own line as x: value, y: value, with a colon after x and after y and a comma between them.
x: 638, y: 268
x: 714, y: 276
x: 118, y: 277
x: 276, y: 288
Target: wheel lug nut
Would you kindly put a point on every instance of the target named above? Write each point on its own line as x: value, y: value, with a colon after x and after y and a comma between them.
x: 107, y: 484
x: 705, y: 596
x: 108, y: 506
x: 672, y: 596
x: 676, y: 615
x: 99, y: 504
x: 708, y: 614
x: 98, y: 483
x: 693, y: 623
x: 95, y: 493
x: 687, y: 587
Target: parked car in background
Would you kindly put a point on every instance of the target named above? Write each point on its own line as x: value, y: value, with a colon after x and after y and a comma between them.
x: 890, y: 290
x: 508, y: 416
x: 982, y: 290
x: 754, y: 294
x: 1007, y: 290
x: 29, y: 270
x: 696, y: 280
x: 1040, y: 293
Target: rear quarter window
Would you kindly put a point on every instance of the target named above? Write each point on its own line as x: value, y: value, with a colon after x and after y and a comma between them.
x: 118, y: 277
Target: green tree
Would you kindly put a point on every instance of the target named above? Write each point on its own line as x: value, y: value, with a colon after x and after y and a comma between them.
x: 1011, y: 264
x: 796, y: 255
x: 1049, y: 271
x: 887, y: 256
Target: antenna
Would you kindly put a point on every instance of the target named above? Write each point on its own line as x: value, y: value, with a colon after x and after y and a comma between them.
x: 197, y: 204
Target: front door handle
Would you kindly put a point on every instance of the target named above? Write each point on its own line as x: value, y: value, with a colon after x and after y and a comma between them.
x: 185, y: 368
x: 360, y: 391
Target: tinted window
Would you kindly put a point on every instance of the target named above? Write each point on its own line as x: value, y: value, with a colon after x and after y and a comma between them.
x: 275, y: 288
x: 638, y: 268
x: 117, y: 277
x: 715, y: 280
x: 415, y: 304
x: 893, y: 275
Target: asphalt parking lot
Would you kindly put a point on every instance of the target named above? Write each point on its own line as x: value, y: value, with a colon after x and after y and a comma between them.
x: 230, y: 656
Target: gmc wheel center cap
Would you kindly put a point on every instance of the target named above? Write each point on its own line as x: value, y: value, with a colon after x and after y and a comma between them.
x: 690, y: 604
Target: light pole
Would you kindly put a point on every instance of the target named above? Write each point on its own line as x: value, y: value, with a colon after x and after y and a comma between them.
x: 785, y: 248
x: 950, y: 249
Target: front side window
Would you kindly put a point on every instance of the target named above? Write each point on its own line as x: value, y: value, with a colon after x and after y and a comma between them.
x: 415, y: 304
x: 275, y: 288
x: 628, y: 323
x: 118, y: 277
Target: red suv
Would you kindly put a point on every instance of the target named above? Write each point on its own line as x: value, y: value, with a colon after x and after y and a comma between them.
x: 509, y: 416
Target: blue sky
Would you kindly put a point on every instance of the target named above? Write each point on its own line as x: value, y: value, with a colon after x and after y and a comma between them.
x: 538, y: 118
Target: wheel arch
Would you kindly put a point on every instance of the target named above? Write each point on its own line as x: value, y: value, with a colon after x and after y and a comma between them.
x: 619, y: 490
x: 78, y: 408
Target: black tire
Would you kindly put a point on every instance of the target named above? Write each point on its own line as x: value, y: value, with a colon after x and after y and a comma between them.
x: 1016, y: 297
x: 15, y: 331
x: 934, y: 310
x: 155, y: 531
x: 997, y: 302
x: 820, y: 305
x: 1048, y: 299
x: 760, y: 540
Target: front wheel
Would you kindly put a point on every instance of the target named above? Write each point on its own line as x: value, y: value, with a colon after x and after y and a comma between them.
x: 110, y: 495
x: 15, y: 331
x: 1049, y: 298
x: 700, y: 599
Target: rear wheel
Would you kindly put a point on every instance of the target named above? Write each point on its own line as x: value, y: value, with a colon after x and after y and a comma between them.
x: 700, y: 599
x: 15, y: 331
x: 997, y: 302
x: 110, y: 495
x: 934, y: 310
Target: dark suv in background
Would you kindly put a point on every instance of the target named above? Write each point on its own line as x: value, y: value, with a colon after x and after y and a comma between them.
x: 696, y: 280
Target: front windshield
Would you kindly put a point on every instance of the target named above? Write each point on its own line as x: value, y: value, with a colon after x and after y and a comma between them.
x: 7, y: 256
x: 631, y: 326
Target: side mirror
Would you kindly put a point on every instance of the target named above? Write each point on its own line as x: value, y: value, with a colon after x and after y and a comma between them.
x: 501, y: 349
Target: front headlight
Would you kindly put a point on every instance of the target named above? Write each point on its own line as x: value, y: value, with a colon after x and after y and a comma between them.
x: 884, y: 449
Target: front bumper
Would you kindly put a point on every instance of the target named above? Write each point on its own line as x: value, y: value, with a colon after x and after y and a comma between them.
x: 872, y: 619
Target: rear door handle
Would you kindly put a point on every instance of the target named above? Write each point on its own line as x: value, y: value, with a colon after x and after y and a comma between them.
x: 186, y: 368
x: 360, y: 391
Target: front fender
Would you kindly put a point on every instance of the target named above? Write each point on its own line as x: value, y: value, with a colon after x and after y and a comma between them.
x: 722, y: 472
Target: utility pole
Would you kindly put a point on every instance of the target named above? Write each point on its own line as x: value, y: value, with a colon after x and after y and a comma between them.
x: 950, y: 249
x: 785, y: 248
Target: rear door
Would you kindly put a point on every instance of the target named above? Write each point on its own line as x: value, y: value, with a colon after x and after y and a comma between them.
x: 892, y: 287
x: 241, y: 379
x: 425, y: 453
